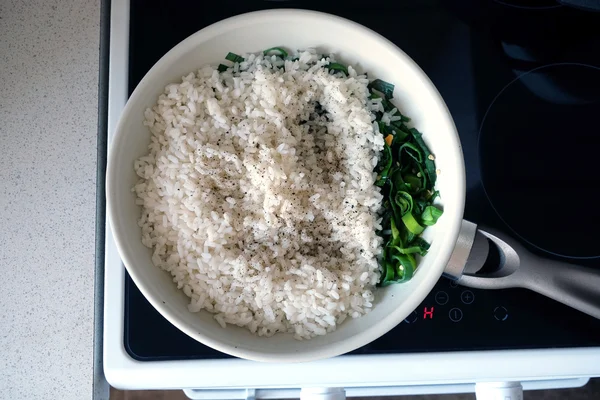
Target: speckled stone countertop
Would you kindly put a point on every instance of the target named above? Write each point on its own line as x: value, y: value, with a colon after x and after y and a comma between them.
x: 49, y: 61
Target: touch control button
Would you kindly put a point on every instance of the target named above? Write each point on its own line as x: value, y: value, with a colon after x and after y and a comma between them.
x: 501, y: 313
x: 412, y: 318
x: 442, y: 298
x: 467, y: 297
x: 455, y: 314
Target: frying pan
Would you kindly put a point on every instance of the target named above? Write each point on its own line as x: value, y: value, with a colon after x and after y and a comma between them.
x: 456, y: 246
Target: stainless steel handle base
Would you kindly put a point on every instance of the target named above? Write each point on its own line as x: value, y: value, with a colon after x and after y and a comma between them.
x: 573, y: 285
x: 462, y: 249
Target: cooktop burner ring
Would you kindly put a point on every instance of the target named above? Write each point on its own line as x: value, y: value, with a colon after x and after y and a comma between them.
x: 527, y: 6
x: 531, y: 178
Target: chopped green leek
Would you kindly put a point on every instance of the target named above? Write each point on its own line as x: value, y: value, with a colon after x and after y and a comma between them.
x: 234, y: 57
x: 408, y: 189
x: 338, y: 67
x: 281, y: 52
x: 430, y: 215
x: 384, y: 166
x: 387, y: 89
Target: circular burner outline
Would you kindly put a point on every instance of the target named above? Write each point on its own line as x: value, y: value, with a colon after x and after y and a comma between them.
x: 507, y: 4
x: 479, y: 155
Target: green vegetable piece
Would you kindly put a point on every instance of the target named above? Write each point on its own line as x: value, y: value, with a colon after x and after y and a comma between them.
x: 422, y: 177
x: 400, y: 126
x: 338, y: 67
x: 389, y: 273
x: 405, y: 267
x: 418, y: 246
x: 387, y: 106
x: 234, y: 57
x: 384, y: 166
x: 395, y: 233
x: 281, y: 52
x: 222, y: 68
x: 413, y: 182
x: 422, y: 244
x: 399, y: 135
x: 383, y: 128
x: 408, y: 191
x: 386, y: 88
x: 411, y: 224
x: 419, y: 206
x: 404, y: 201
x: 407, y: 250
x: 411, y: 150
x: 429, y: 164
x: 430, y: 215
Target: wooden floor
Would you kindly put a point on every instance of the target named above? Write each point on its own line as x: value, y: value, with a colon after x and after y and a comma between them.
x: 147, y: 395
x: 589, y: 392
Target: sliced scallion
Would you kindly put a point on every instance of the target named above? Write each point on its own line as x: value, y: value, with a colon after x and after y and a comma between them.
x: 408, y: 191
x: 430, y: 215
x: 234, y: 57
x: 384, y: 166
x: 386, y: 88
x: 280, y: 52
x: 338, y: 67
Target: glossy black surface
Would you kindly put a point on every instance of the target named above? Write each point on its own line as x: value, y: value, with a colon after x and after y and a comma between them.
x: 543, y: 174
x: 537, y: 154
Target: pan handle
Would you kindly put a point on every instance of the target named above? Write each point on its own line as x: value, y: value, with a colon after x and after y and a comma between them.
x: 573, y: 285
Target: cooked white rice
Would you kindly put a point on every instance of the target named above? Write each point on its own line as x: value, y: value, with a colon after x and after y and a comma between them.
x: 262, y: 218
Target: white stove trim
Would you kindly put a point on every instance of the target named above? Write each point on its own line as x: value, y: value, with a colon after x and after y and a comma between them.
x: 382, y: 391
x: 364, y: 371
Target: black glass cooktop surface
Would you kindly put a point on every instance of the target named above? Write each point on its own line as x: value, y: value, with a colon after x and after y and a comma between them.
x: 522, y: 81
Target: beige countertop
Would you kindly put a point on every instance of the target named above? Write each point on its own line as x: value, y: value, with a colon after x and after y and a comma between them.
x: 49, y: 59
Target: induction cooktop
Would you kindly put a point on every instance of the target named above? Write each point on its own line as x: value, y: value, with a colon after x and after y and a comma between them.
x: 522, y: 81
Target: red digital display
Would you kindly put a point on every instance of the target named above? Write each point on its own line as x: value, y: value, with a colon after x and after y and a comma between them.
x: 428, y: 313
